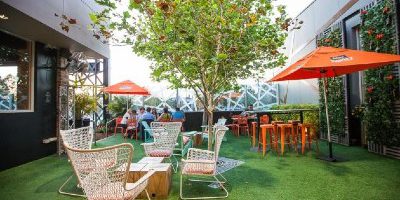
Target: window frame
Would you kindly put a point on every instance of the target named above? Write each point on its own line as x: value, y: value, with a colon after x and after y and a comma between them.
x: 31, y: 76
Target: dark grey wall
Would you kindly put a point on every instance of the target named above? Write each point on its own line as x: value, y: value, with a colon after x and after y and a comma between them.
x: 21, y: 134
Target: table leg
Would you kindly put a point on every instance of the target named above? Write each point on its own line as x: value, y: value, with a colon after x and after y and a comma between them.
x: 282, y: 140
x: 264, y: 143
x: 303, y: 139
x: 253, y: 127
x: 258, y: 125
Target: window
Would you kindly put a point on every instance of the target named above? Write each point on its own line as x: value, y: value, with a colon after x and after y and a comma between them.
x: 16, y: 76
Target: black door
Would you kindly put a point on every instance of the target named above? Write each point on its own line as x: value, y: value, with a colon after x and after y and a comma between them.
x: 353, y: 81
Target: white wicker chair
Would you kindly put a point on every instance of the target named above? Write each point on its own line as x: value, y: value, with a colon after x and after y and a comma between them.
x: 165, y: 138
x: 103, y: 172
x: 80, y: 138
x: 204, y: 163
x: 166, y: 125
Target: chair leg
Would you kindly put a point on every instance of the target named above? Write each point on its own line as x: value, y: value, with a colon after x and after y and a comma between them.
x: 175, y: 168
x: 147, y: 194
x: 220, y: 183
x: 60, y: 190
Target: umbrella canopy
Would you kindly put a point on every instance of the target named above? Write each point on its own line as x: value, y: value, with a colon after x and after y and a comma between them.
x: 126, y: 87
x: 331, y: 62
x: 327, y: 62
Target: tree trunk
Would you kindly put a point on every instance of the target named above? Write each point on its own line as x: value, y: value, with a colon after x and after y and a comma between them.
x: 210, y: 129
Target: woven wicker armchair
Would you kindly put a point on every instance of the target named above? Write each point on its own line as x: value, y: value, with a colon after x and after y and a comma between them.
x: 102, y: 173
x: 204, y: 163
x: 80, y: 138
x: 165, y: 138
x: 166, y: 125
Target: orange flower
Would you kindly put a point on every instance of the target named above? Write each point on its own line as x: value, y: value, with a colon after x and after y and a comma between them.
x: 386, y: 10
x: 370, y: 31
x: 364, y: 12
x: 379, y: 36
x: 389, y: 77
x: 327, y: 40
x: 370, y: 89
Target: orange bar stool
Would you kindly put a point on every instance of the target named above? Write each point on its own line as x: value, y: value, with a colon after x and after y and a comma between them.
x: 243, y: 125
x: 294, y: 132
x: 276, y: 133
x: 263, y: 120
x: 285, y: 130
x: 262, y: 139
x: 305, y: 134
x: 234, y: 126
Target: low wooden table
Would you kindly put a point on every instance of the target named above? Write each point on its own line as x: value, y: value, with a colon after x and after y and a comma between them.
x: 147, y: 160
x: 159, y: 183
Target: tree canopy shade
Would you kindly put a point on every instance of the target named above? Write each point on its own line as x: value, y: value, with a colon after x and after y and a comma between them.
x: 205, y: 45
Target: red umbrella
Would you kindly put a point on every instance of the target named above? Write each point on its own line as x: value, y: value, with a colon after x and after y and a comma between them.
x: 126, y: 87
x: 326, y: 62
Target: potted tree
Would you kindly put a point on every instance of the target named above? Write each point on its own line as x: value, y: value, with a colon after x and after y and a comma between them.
x: 84, y: 105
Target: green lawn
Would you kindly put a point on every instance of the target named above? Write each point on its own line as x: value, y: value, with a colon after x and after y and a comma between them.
x: 362, y: 176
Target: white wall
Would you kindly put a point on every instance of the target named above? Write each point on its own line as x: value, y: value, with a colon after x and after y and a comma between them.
x: 315, y: 18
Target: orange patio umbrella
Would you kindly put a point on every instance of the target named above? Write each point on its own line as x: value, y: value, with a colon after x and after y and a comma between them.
x: 326, y: 62
x: 126, y: 87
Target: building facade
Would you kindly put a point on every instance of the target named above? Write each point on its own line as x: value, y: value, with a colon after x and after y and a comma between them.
x: 344, y: 18
x: 38, y: 40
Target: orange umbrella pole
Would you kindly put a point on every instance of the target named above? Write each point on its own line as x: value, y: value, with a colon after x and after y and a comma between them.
x: 325, y: 80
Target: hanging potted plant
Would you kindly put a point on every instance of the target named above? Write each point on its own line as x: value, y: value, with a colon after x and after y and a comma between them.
x: 84, y: 104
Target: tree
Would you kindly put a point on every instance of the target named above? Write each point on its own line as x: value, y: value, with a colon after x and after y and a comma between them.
x: 205, y: 45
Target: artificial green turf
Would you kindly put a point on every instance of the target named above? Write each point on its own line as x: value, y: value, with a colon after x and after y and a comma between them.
x: 362, y: 175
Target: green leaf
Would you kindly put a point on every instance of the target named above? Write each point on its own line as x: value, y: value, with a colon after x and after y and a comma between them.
x: 93, y: 18
x: 126, y: 15
x: 222, y: 56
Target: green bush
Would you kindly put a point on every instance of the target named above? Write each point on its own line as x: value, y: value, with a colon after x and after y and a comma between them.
x: 336, y: 91
x: 378, y: 33
x: 84, y: 104
x: 309, y: 117
x: 117, y: 105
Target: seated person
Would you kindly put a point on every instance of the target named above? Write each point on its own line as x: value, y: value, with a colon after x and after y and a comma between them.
x: 245, y: 113
x: 147, y: 117
x: 178, y: 115
x: 165, y: 116
x: 127, y: 115
x: 154, y: 112
x: 133, y: 116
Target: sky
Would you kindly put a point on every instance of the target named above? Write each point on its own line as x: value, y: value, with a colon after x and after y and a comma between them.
x: 125, y: 65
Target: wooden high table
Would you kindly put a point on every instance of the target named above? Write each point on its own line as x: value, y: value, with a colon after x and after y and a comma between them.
x: 300, y: 112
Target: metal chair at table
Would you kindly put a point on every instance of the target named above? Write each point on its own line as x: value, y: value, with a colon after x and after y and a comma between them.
x: 131, y: 126
x: 243, y: 125
x: 118, y: 121
x: 234, y: 126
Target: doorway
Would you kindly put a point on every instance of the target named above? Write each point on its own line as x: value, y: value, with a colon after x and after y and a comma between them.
x: 354, y: 81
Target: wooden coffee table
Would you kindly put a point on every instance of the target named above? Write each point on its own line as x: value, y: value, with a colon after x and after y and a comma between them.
x: 147, y: 160
x: 159, y: 183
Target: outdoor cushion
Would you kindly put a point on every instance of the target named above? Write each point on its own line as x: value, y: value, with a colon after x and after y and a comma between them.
x: 160, y: 153
x: 198, y: 168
